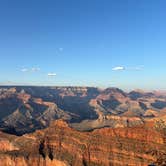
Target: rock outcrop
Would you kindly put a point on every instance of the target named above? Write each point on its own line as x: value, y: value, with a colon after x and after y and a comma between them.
x: 61, y: 145
x: 26, y: 109
x: 96, y: 127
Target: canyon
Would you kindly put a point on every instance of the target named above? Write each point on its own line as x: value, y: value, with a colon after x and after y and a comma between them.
x: 81, y: 126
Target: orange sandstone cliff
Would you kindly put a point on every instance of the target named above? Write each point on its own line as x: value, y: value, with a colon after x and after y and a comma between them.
x: 60, y: 145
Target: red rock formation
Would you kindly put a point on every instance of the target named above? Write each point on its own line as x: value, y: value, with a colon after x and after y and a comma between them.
x: 60, y: 145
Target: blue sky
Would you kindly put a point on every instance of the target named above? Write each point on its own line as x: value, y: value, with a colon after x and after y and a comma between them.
x: 85, y: 42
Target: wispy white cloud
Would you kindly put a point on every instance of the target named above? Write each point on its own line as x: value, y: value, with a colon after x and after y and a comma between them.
x: 24, y: 69
x: 33, y: 69
x: 51, y: 74
x: 117, y: 68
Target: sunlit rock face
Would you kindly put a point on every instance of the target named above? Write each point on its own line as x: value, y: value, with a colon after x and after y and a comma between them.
x: 81, y: 126
x: 26, y: 109
x: 21, y: 161
x: 61, y: 145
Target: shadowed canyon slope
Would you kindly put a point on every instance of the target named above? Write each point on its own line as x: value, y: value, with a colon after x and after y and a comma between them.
x: 119, y: 128
x: 25, y: 109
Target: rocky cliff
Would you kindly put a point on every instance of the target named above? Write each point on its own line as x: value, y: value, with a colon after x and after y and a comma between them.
x: 97, y: 127
x: 25, y: 109
x: 61, y: 145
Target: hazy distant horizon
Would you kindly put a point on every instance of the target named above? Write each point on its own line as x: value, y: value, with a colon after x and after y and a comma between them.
x: 99, y: 87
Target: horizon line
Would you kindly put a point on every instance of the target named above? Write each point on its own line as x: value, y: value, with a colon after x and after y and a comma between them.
x: 83, y: 86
